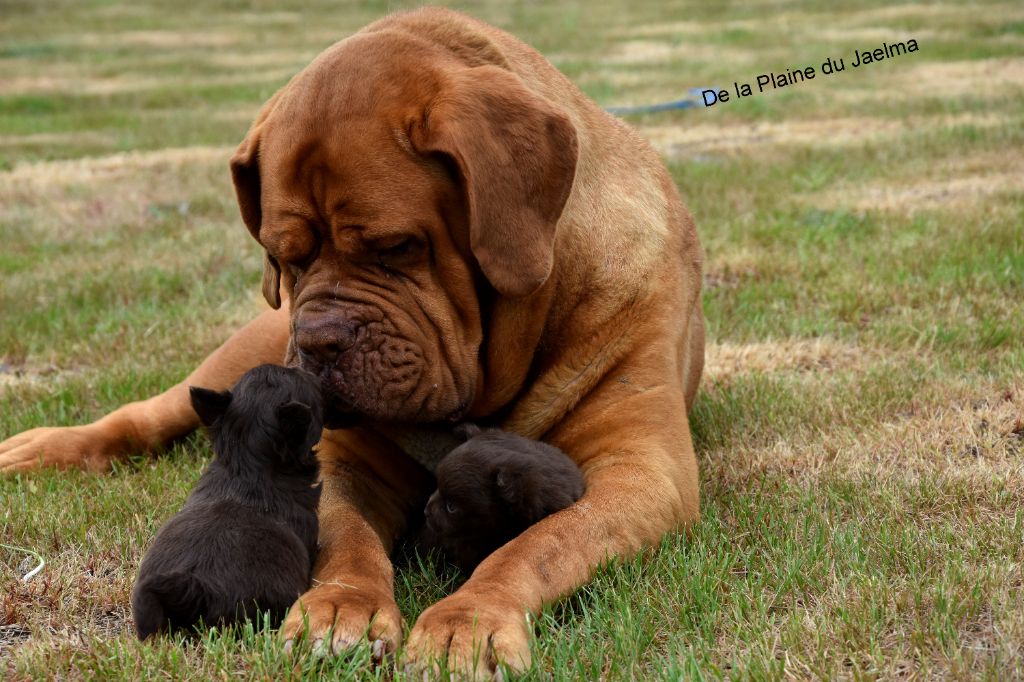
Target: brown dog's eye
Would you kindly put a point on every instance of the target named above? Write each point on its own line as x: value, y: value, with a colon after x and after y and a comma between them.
x: 401, y: 248
x: 398, y: 253
x: 452, y: 509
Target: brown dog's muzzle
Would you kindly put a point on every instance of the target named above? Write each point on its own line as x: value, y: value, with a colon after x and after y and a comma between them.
x: 366, y: 365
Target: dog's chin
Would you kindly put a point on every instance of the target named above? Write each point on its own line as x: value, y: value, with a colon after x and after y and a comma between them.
x: 344, y: 408
x: 340, y: 414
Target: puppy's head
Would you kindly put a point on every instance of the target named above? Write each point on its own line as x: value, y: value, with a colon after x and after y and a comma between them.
x: 397, y: 192
x: 464, y: 516
x: 467, y: 505
x: 273, y: 413
x: 497, y: 484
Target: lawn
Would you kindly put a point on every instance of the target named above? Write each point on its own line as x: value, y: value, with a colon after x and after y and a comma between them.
x: 860, y: 430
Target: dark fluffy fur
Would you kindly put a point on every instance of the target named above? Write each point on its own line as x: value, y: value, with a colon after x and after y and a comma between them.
x: 245, y: 540
x: 490, y: 489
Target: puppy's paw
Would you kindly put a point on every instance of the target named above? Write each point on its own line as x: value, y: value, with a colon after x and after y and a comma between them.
x: 471, y: 636
x: 335, y: 616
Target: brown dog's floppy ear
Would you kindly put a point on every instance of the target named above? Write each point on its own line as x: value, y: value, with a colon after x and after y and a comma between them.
x: 271, y: 281
x: 245, y: 173
x: 516, y: 153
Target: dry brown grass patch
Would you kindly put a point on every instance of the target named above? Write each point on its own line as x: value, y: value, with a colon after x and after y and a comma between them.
x: 693, y: 28
x: 34, y: 373
x: 932, y: 11
x: 164, y: 38
x: 975, y: 439
x: 973, y: 78
x: 95, y: 593
x: 676, y: 141
x: 105, y: 168
x: 731, y: 269
x: 958, y: 184
x: 63, y: 200
x: 648, y: 52
x: 977, y: 79
x: 266, y: 58
x: 954, y: 194
x: 872, y: 36
x: 970, y: 437
x: 92, y: 85
x: 724, y: 360
x: 56, y: 139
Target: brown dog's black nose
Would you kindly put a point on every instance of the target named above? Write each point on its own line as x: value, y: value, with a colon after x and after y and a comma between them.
x: 322, y: 341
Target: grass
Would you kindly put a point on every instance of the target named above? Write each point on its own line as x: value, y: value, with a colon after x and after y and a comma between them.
x: 861, y: 427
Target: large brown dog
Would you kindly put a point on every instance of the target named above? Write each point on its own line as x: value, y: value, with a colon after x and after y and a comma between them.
x: 454, y: 230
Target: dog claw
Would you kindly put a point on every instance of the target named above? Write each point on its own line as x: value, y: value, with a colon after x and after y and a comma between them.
x: 413, y: 672
x: 377, y: 650
x: 341, y: 645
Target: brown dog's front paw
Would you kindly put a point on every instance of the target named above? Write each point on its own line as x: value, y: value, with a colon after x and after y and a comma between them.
x: 335, y: 617
x: 471, y: 636
x: 85, y: 447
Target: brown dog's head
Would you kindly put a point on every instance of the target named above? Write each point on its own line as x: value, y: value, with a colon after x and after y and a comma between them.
x: 396, y: 190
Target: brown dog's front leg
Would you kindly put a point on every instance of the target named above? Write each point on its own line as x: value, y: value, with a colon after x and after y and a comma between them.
x: 641, y: 482
x: 369, y: 490
x: 148, y: 425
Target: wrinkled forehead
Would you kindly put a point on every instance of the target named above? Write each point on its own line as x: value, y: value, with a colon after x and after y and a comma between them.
x: 339, y: 132
x: 362, y: 166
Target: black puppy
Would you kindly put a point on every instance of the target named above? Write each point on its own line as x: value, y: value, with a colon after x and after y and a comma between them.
x: 490, y: 489
x: 245, y: 540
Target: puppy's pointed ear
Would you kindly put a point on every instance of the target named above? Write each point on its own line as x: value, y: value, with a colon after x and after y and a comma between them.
x: 294, y: 418
x: 527, y: 498
x: 512, y: 490
x: 516, y: 153
x: 210, y: 405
